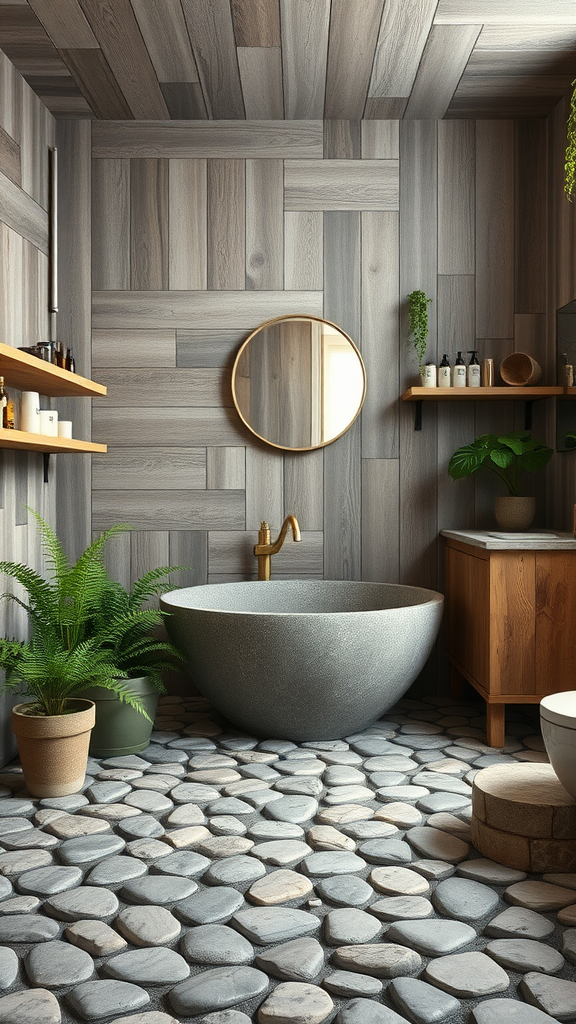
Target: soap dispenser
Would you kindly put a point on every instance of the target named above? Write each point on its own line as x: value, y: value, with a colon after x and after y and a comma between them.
x: 444, y: 373
x: 473, y: 377
x: 459, y: 372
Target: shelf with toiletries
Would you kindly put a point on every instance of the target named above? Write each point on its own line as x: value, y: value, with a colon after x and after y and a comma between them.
x: 521, y: 393
x: 26, y: 372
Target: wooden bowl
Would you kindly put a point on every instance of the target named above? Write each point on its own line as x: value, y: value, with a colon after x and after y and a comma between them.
x: 520, y: 369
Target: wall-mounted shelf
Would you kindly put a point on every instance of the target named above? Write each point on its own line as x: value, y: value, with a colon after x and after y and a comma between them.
x: 20, y: 440
x: 28, y: 373
x: 523, y: 394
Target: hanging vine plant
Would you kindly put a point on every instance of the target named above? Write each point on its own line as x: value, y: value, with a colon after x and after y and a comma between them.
x: 570, y: 161
x: 418, y: 322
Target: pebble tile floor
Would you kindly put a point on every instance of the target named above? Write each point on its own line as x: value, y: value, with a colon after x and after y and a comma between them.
x: 225, y: 879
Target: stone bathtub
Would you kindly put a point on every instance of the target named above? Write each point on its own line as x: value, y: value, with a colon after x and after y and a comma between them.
x: 303, y: 659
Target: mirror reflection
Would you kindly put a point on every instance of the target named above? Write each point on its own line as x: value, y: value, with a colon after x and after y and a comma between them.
x: 298, y: 382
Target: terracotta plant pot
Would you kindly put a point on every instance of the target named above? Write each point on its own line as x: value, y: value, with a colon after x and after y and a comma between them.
x: 120, y: 729
x: 513, y: 513
x: 54, y: 749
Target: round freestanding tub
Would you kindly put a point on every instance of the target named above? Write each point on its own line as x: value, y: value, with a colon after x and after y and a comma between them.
x: 303, y: 659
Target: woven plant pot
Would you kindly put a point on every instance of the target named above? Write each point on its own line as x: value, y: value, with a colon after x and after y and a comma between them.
x: 513, y: 513
x: 54, y: 749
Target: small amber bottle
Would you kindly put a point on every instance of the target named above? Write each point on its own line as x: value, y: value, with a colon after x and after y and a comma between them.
x: 7, y: 407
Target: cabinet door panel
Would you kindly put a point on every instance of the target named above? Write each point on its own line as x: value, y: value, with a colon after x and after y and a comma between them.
x: 468, y: 612
x: 512, y: 613
x: 555, y: 621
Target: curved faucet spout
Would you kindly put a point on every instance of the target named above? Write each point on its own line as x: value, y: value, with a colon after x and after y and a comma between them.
x: 265, y: 548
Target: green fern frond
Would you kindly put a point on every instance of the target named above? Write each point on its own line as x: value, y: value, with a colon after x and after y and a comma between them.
x: 53, y: 551
x: 152, y: 583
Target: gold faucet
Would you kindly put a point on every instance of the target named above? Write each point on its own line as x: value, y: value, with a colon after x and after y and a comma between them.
x: 264, y: 549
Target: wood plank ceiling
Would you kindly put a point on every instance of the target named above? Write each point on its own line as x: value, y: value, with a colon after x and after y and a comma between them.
x: 293, y: 59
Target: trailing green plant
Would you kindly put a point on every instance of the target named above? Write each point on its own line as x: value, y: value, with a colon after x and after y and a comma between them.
x: 570, y: 156
x: 85, y: 629
x: 418, y: 322
x: 506, y: 456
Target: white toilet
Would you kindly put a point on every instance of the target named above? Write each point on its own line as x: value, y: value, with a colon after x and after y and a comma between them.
x: 558, y: 724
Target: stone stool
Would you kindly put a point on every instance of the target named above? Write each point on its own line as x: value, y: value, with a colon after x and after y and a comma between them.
x: 524, y: 818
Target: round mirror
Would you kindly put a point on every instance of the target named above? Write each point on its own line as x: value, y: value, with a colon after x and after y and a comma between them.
x: 298, y: 382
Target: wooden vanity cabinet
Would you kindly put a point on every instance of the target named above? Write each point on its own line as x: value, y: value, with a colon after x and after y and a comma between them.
x: 510, y: 625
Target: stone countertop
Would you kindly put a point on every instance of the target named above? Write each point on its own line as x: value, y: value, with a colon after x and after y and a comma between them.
x: 502, y: 540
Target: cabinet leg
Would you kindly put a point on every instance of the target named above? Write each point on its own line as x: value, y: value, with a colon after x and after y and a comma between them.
x: 495, y: 724
x: 456, y: 684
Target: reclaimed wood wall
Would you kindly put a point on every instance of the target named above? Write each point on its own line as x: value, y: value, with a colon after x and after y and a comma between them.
x: 201, y: 231
x: 27, y: 131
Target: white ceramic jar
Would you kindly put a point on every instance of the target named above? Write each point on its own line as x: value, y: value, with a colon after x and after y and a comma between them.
x: 558, y: 724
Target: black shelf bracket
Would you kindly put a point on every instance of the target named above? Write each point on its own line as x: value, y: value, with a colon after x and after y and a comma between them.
x: 418, y: 415
x: 46, y: 457
x: 528, y: 414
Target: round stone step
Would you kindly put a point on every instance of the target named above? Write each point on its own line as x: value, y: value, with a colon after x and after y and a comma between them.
x: 523, y: 817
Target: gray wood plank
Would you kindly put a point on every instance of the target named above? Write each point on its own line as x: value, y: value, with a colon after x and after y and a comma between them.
x: 92, y: 74
x: 208, y: 348
x: 261, y: 78
x: 342, y: 139
x: 10, y: 157
x: 156, y: 386
x: 445, y: 56
x: 531, y: 221
x: 170, y: 510
x: 20, y: 212
x: 185, y: 100
x: 305, y: 30
x: 456, y: 197
x: 149, y: 549
x: 226, y: 469
x: 274, y: 140
x: 149, y: 469
x: 264, y: 487
x: 256, y: 23
x: 342, y: 507
x: 232, y: 553
x: 304, y: 488
x: 14, y: 285
x: 116, y: 29
x: 380, y: 520
x: 341, y: 185
x: 65, y: 23
x: 111, y: 224
x: 148, y: 224
x: 194, y: 309
x: 303, y: 250
x: 517, y: 35
x: 380, y: 140
x: 543, y: 12
x: 187, y: 220
x: 342, y: 269
x: 494, y: 229
x: 189, y: 548
x: 226, y: 224
x: 456, y: 317
x: 264, y: 224
x: 183, y: 428
x: 117, y: 558
x: 380, y: 331
x: 133, y: 348
x: 353, y: 34
x: 163, y: 29
x: 212, y: 36
x: 74, y: 525
x: 403, y: 33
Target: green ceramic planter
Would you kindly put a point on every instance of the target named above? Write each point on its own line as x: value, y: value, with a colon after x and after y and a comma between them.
x: 119, y: 728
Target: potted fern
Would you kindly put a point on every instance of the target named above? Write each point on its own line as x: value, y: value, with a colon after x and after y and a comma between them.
x: 83, y: 632
x: 506, y: 456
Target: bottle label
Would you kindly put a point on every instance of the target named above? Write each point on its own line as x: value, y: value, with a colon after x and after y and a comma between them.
x: 474, y: 376
x: 459, y: 376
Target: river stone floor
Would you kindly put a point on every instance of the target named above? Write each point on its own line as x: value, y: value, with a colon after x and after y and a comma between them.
x: 226, y: 880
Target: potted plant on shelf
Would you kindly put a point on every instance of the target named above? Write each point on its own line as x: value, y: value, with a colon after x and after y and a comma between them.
x: 570, y: 155
x: 507, y: 456
x: 418, y: 323
x: 83, y: 633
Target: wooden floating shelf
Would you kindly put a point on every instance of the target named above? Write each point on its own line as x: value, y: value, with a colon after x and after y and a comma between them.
x: 526, y: 394
x: 19, y: 440
x: 29, y: 373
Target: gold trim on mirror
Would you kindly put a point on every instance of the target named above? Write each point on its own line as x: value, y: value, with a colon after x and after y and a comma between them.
x: 301, y: 388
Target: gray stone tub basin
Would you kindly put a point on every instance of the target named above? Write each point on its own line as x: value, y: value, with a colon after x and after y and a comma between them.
x: 303, y: 659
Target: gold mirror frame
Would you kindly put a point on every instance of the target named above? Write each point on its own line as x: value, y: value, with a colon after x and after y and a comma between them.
x: 240, y: 389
